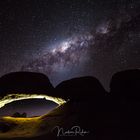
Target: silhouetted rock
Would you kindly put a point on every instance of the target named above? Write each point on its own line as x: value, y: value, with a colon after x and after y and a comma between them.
x: 80, y: 88
x: 88, y: 102
x: 125, y: 91
x: 126, y: 83
x: 17, y: 114
x: 25, y: 82
x: 105, y: 117
x: 24, y: 115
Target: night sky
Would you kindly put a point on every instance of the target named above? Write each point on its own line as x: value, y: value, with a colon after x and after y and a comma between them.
x: 69, y: 38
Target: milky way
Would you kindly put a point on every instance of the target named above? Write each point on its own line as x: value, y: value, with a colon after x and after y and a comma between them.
x: 66, y: 39
x: 79, y: 54
x: 64, y: 56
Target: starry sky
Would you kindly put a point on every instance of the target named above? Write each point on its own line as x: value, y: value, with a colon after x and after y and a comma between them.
x: 70, y: 38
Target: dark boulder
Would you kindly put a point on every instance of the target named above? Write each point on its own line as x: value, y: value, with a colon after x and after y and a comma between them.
x: 24, y: 115
x: 125, y: 91
x: 126, y: 83
x: 80, y: 88
x: 18, y: 115
x: 24, y: 82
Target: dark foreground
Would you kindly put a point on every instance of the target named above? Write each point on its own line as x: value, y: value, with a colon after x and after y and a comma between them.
x: 90, y: 111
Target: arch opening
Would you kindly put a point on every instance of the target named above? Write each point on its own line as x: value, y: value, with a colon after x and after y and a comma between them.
x: 24, y: 97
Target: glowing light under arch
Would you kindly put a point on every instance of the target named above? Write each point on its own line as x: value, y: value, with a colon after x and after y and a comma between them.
x: 15, y: 97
